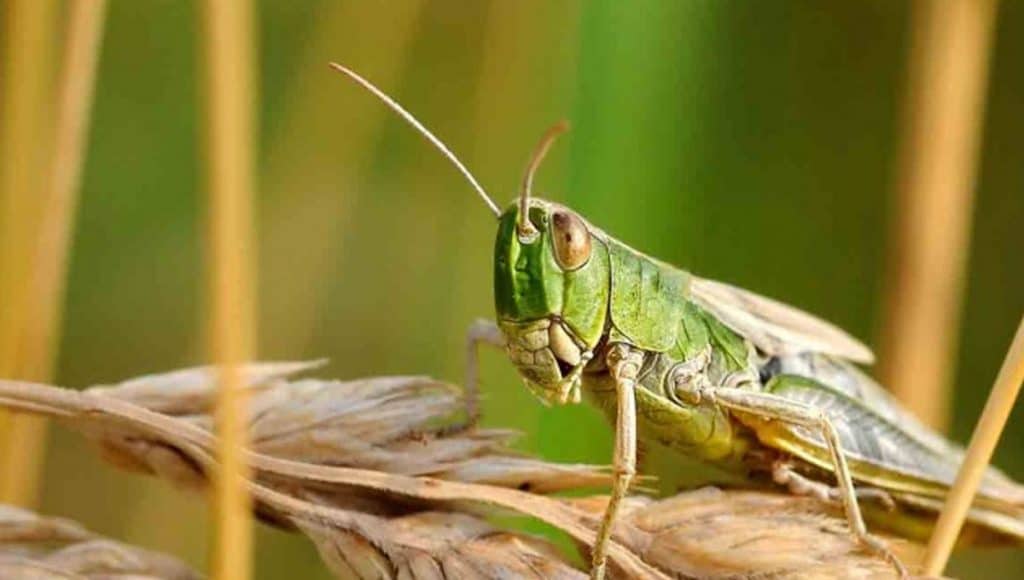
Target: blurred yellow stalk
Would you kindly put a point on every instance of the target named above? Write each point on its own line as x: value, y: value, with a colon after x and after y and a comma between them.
x: 943, y: 114
x: 37, y: 339
x: 29, y: 34
x: 229, y: 66
x: 979, y: 453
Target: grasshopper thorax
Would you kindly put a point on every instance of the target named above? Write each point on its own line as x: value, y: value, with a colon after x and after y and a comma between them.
x: 551, y: 292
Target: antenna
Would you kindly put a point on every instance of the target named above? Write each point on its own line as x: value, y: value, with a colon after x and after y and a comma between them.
x: 423, y: 131
x: 523, y: 225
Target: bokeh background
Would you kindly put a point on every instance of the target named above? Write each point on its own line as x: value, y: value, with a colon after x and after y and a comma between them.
x: 757, y: 143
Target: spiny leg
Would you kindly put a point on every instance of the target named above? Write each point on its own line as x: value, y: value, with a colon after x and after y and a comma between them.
x: 481, y: 331
x: 784, y: 474
x: 624, y: 365
x: 777, y: 408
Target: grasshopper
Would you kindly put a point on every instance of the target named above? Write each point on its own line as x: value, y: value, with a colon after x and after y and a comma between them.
x: 736, y: 380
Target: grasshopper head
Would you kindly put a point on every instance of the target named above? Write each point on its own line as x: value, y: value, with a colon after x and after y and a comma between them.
x: 551, y: 285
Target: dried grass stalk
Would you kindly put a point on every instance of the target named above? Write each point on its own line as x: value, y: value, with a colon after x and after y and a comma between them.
x: 389, y: 483
x: 28, y: 38
x: 229, y: 64
x: 979, y: 454
x: 50, y: 243
x: 34, y: 546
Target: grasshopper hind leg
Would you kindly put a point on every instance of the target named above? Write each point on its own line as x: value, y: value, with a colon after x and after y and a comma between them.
x: 774, y: 407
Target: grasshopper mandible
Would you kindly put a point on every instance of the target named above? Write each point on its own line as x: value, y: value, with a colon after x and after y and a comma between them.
x: 736, y: 380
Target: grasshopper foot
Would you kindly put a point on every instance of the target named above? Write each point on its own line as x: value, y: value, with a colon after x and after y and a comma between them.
x: 873, y: 545
x: 783, y: 474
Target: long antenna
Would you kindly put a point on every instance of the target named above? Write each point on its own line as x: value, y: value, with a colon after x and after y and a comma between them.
x: 523, y: 226
x: 423, y: 131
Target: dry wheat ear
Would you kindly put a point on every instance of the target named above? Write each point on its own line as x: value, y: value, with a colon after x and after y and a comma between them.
x: 374, y: 473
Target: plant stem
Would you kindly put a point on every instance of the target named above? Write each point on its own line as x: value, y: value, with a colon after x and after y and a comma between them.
x: 29, y: 34
x: 983, y: 443
x: 38, y: 341
x: 943, y: 115
x: 229, y: 88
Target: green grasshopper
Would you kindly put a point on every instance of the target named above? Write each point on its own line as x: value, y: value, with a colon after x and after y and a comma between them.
x: 738, y: 381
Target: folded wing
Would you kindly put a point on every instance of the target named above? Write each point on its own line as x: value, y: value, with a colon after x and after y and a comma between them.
x: 773, y: 327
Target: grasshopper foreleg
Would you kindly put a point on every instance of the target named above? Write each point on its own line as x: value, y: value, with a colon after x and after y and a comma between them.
x: 769, y: 406
x: 624, y: 365
x: 481, y: 331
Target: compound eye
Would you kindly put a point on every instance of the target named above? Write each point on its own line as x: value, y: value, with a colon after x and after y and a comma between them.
x: 571, y: 239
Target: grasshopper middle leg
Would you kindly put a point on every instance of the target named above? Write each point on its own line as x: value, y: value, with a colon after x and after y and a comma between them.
x: 624, y: 364
x: 784, y: 474
x: 774, y: 407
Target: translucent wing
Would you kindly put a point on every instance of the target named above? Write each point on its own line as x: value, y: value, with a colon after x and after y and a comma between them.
x: 881, y: 451
x: 774, y: 327
x: 852, y: 382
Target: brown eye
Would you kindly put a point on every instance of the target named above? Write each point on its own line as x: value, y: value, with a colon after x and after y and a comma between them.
x: 571, y: 239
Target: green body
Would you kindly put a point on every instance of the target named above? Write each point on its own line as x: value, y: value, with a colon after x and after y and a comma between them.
x: 549, y: 314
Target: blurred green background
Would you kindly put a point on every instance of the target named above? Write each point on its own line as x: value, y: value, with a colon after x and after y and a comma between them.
x: 751, y: 142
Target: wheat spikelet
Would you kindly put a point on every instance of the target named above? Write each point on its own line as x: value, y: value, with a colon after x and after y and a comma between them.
x: 435, y: 545
x: 35, y: 546
x: 711, y: 533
